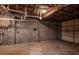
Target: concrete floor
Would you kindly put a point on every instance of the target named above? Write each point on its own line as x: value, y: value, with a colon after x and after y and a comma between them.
x: 52, y: 47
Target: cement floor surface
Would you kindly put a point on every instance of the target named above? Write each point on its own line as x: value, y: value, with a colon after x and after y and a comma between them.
x: 51, y: 47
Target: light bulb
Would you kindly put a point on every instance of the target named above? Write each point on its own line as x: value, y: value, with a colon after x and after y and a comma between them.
x: 43, y: 11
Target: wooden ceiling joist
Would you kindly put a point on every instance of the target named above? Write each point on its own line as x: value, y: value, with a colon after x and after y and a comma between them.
x: 64, y: 13
x: 53, y: 10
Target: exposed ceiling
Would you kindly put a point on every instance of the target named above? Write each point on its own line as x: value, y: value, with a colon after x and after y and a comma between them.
x: 66, y: 13
x: 54, y: 12
x: 32, y: 9
x: 29, y: 9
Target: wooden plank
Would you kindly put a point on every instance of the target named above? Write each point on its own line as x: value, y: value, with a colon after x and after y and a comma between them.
x: 53, y: 10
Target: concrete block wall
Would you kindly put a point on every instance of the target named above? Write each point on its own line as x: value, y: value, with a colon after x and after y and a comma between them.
x: 67, y: 30
x: 76, y: 30
x: 70, y: 30
x: 27, y: 31
x: 48, y: 30
x: 30, y: 31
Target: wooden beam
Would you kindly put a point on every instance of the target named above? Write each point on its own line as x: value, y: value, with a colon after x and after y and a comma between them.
x: 53, y: 10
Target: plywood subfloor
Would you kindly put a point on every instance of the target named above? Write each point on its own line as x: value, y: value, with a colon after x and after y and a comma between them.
x: 52, y: 47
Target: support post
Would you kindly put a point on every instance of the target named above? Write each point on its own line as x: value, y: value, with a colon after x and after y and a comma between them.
x: 15, y: 28
x: 38, y: 31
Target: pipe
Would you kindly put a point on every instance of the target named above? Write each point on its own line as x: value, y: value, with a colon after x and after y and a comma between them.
x: 3, y: 8
x: 15, y: 11
x: 22, y: 13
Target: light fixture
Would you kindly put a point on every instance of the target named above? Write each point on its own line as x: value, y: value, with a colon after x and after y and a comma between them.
x: 43, y: 11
